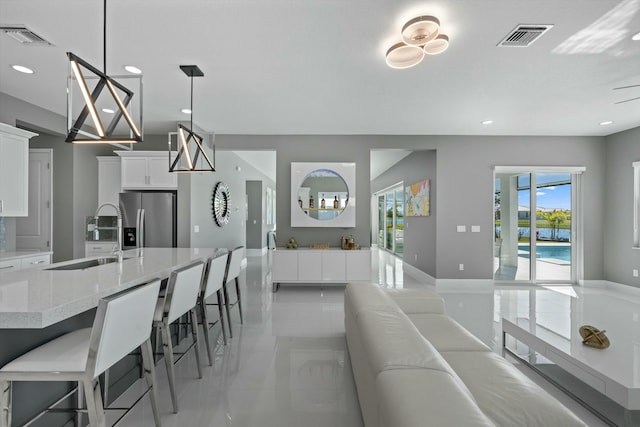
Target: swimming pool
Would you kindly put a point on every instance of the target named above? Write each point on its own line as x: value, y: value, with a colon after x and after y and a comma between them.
x: 562, y: 253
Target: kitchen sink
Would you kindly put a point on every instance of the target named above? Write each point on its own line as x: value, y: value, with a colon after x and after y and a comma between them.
x: 83, y: 265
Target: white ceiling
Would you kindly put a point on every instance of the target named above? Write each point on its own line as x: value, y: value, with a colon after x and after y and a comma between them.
x: 317, y: 66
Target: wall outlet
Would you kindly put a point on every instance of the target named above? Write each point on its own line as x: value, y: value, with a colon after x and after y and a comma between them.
x: 635, y: 272
x: 462, y: 229
x: 475, y: 228
x: 461, y: 267
x: 196, y: 228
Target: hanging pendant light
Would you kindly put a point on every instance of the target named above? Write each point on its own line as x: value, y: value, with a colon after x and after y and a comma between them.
x: 81, y: 130
x: 192, y: 153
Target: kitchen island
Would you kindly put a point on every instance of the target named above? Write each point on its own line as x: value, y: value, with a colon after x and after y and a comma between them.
x: 41, y: 303
x: 40, y: 297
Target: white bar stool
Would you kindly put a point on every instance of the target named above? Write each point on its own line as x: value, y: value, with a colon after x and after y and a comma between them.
x: 233, y: 272
x: 122, y: 324
x: 212, y: 280
x: 180, y: 298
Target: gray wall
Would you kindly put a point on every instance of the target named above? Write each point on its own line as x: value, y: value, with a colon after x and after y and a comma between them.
x: 419, y: 232
x: 465, y: 186
x: 202, y: 185
x: 619, y: 259
x: 312, y: 149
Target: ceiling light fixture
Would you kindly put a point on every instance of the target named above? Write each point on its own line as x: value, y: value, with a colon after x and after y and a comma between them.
x: 420, y: 36
x: 606, y: 122
x: 486, y: 122
x: 22, y: 69
x: 95, y: 131
x: 185, y: 111
x: 132, y: 69
x: 191, y: 150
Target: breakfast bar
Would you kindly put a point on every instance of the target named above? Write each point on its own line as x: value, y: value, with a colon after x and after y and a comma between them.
x: 42, y: 303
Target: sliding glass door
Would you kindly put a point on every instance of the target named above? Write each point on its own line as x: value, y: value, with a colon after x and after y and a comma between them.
x: 391, y: 220
x: 534, y: 220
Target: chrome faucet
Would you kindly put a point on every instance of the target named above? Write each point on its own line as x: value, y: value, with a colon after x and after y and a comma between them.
x: 117, y: 250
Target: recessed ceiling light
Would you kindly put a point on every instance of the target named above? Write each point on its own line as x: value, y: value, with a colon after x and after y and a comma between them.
x: 186, y: 111
x: 607, y: 122
x: 108, y: 110
x: 635, y: 37
x: 132, y: 69
x: 486, y: 122
x: 22, y: 69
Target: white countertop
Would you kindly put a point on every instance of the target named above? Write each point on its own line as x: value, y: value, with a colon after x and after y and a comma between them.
x: 38, y: 297
x: 7, y: 256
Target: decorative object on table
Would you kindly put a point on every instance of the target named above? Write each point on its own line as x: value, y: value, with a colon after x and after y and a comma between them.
x: 351, y: 243
x: 417, y: 199
x: 221, y: 204
x: 320, y: 246
x: 192, y: 152
x: 113, y: 108
x: 292, y: 244
x: 593, y: 337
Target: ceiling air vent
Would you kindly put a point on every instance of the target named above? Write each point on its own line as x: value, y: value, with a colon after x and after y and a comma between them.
x: 524, y: 35
x: 24, y: 35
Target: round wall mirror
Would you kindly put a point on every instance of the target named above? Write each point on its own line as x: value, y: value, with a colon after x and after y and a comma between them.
x: 323, y: 194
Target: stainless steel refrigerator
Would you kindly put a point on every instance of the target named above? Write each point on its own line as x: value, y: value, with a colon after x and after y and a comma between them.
x: 148, y: 219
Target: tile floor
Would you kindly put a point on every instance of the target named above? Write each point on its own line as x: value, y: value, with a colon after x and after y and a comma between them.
x: 288, y: 365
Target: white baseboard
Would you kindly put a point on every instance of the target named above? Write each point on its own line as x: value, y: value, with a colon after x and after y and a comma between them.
x: 257, y: 252
x: 465, y: 285
x: 418, y: 274
x: 614, y: 286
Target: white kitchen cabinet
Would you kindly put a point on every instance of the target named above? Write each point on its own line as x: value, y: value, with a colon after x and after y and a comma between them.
x: 109, y: 181
x: 10, y: 265
x: 14, y: 171
x: 148, y: 170
x: 93, y: 249
x: 21, y: 261
x: 34, y: 261
x: 320, y: 266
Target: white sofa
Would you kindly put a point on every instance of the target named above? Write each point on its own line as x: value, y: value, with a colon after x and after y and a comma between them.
x: 415, y: 366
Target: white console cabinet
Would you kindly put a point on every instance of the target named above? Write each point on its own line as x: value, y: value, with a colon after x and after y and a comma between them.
x: 146, y: 170
x: 14, y: 171
x: 317, y: 266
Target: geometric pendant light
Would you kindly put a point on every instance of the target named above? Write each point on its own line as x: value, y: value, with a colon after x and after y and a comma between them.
x: 191, y: 152
x: 91, y: 124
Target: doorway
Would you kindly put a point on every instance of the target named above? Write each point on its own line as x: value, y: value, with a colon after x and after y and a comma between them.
x: 536, y: 225
x: 391, y: 219
x: 34, y: 231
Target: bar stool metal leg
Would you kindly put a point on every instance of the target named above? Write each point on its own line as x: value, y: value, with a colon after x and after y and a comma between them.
x: 149, y: 368
x: 220, y: 313
x: 5, y: 403
x: 94, y: 403
x: 196, y: 338
x: 167, y: 349
x: 239, y: 300
x: 227, y: 308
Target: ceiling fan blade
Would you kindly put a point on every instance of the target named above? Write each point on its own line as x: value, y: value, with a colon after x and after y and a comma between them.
x: 625, y: 87
x: 627, y: 100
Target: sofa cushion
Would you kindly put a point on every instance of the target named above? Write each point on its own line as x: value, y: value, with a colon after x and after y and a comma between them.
x: 507, y: 396
x: 445, y: 333
x: 391, y: 341
x: 417, y: 300
x: 367, y: 296
x: 424, y: 397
